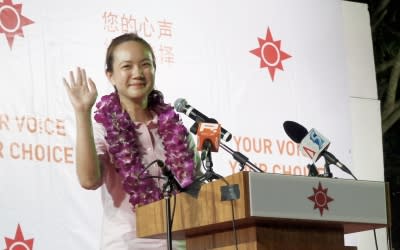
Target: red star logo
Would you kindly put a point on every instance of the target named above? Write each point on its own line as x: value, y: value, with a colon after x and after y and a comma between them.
x: 270, y: 54
x: 320, y: 198
x: 11, y: 20
x: 18, y: 243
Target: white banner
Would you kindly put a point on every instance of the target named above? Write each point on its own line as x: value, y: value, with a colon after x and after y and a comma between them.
x: 250, y: 65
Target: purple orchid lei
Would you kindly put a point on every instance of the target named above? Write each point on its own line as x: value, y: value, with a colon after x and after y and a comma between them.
x: 123, y: 146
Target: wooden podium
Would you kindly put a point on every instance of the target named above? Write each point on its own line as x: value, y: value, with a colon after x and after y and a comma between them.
x: 273, y: 212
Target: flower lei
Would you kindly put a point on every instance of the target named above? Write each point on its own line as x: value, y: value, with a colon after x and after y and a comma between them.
x: 123, y: 146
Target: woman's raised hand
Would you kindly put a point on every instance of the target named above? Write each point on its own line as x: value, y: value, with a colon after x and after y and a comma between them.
x: 81, y: 91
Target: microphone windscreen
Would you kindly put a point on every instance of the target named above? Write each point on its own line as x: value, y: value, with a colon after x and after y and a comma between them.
x: 295, y: 131
x: 180, y: 105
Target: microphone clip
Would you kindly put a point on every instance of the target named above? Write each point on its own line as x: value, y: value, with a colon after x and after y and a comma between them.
x: 206, y: 150
x: 327, y: 170
x: 313, y: 172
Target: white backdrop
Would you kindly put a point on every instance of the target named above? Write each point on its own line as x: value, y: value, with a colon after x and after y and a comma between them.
x: 204, y: 55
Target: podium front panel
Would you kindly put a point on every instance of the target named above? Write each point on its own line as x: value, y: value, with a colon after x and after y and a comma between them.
x: 317, y: 199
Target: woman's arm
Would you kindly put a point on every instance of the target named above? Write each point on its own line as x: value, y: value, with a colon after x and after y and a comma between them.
x: 82, y: 93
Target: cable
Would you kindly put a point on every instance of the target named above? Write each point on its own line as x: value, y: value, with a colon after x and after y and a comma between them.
x: 173, y: 210
x: 376, y: 241
x: 209, y: 171
x: 234, y: 226
x: 233, y: 217
x: 374, y: 231
x: 389, y: 235
x: 148, y: 165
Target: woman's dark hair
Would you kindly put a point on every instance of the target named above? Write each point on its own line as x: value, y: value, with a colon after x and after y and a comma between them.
x: 155, y: 101
x: 121, y: 39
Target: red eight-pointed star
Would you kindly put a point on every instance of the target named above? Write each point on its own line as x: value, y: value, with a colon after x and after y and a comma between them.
x: 11, y: 20
x: 320, y: 198
x: 270, y: 54
x: 18, y: 243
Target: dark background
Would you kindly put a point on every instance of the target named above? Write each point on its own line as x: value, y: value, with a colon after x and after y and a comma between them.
x: 385, y: 27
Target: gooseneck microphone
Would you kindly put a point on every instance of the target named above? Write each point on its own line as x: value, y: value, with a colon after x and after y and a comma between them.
x: 182, y: 106
x: 170, y: 176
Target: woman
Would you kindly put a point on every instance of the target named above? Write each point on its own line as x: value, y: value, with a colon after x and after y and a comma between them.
x: 135, y: 127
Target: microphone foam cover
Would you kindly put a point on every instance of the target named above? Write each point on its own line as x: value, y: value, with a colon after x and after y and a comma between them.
x: 295, y: 131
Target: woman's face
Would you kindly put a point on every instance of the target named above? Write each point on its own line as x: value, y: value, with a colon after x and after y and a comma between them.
x: 133, y: 71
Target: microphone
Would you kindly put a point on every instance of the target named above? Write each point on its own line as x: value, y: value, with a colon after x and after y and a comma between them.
x: 211, y: 133
x: 208, y: 138
x: 182, y: 106
x: 170, y: 176
x: 313, y: 144
x: 295, y: 131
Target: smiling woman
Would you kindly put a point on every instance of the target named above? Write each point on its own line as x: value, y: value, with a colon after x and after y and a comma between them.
x: 132, y: 75
x: 134, y: 129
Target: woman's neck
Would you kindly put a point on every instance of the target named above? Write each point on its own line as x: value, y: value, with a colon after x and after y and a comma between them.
x: 137, y: 110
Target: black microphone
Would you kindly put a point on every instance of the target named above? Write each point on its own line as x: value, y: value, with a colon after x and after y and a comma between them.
x: 170, y: 176
x: 182, y: 106
x: 295, y: 131
x: 310, y: 140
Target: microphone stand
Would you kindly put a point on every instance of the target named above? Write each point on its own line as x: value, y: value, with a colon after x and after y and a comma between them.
x: 242, y: 159
x: 331, y: 159
x: 167, y: 190
x: 209, y: 175
x: 312, y: 170
x: 327, y: 170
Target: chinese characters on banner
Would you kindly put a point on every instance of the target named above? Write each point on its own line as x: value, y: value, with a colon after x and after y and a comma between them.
x: 160, y: 30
